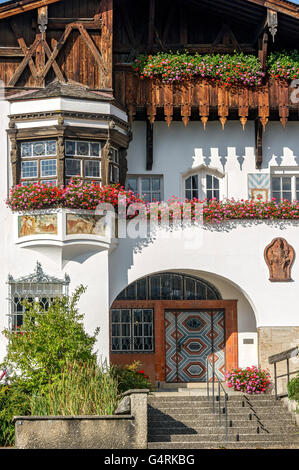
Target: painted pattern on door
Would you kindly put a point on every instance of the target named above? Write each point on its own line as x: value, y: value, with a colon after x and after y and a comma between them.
x: 191, y: 337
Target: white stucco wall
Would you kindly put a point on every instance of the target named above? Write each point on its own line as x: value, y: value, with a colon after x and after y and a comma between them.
x: 232, y: 258
x: 178, y: 149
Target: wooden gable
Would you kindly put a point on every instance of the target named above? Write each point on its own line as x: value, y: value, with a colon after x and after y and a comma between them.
x: 64, y: 40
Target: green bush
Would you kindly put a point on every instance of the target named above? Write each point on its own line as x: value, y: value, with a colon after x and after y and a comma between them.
x: 130, y: 377
x: 13, y: 402
x: 293, y: 388
x: 82, y: 389
x: 46, y: 342
x: 38, y: 353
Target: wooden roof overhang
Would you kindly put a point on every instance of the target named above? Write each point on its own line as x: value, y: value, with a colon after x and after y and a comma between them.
x: 13, y: 8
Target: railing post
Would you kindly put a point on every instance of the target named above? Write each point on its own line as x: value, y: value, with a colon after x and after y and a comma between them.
x: 275, y: 380
x: 213, y: 386
x: 226, y: 417
x: 219, y: 406
x: 208, y: 388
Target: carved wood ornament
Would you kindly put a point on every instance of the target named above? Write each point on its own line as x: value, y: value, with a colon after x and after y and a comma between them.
x: 279, y: 256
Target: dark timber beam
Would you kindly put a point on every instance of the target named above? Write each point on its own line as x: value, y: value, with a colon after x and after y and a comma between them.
x: 151, y: 24
x: 149, y: 146
x: 258, y: 144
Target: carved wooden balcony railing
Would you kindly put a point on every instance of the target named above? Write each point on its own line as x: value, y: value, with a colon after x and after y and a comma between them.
x: 270, y: 101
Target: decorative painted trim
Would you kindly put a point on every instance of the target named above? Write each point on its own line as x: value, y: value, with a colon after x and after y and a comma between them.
x: 258, y: 181
x: 62, y: 115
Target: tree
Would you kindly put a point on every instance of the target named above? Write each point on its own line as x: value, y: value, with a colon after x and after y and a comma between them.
x: 48, y: 339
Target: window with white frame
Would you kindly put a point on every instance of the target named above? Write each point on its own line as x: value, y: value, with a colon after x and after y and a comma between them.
x: 202, y: 186
x: 37, y: 162
x: 285, y: 187
x: 83, y: 160
x: 148, y: 187
x: 37, y: 287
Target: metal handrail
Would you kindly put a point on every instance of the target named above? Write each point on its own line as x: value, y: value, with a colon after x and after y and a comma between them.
x: 220, y: 388
x: 284, y: 356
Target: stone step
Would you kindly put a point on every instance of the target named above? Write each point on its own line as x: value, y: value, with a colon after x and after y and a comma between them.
x: 225, y: 445
x: 185, y: 428
x: 206, y: 408
x: 214, y: 428
x: 202, y: 398
x: 245, y: 437
x: 261, y: 414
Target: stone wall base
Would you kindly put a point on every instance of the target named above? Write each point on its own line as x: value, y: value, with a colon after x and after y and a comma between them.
x: 274, y: 340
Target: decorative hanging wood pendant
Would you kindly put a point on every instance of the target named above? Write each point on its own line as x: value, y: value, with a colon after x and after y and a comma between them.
x: 279, y: 256
x: 151, y: 102
x: 204, y: 120
x: 283, y: 103
x: 243, y: 106
x: 185, y: 102
x: 263, y: 105
x: 222, y: 105
x: 203, y: 100
x: 168, y: 104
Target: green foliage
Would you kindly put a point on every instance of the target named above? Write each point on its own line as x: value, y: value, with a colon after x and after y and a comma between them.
x: 38, y: 353
x: 47, y: 340
x: 293, y: 388
x: 130, y: 377
x: 284, y: 65
x: 13, y: 402
x: 82, y: 389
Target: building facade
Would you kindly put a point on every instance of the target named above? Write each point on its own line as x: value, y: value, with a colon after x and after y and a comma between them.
x: 73, y: 107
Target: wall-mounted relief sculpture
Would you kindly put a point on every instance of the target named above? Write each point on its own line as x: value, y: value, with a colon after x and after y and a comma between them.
x: 279, y: 256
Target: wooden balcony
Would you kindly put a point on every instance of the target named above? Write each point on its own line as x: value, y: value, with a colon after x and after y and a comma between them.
x: 202, y: 100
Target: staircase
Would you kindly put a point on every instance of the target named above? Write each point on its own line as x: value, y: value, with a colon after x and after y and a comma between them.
x: 186, y: 421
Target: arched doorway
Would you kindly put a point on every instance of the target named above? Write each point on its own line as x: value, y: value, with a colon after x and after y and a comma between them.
x: 171, y: 322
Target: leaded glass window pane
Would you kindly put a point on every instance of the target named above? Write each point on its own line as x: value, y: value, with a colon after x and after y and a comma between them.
x: 82, y: 149
x: 72, y: 167
x: 48, y: 167
x: 70, y: 148
x: 29, y: 169
x: 92, y: 168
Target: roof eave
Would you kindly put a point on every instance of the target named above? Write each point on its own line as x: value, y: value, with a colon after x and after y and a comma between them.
x: 22, y: 6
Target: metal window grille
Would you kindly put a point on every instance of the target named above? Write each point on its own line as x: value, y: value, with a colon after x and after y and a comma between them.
x: 37, y: 287
x: 132, y: 330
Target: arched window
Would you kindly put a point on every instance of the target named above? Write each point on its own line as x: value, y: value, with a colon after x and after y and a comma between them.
x: 170, y: 286
x: 203, y: 182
